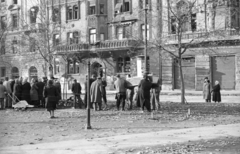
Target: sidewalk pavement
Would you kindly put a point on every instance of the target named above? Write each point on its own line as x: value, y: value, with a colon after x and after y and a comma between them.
x: 113, y: 144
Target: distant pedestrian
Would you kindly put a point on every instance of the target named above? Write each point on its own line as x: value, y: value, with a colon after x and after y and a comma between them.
x: 96, y: 92
x: 206, y: 90
x: 76, y: 90
x: 34, y: 93
x: 8, y: 99
x: 17, y: 91
x: 216, y: 92
x: 40, y: 86
x: 25, y: 89
x: 155, y: 93
x: 50, y: 93
x: 92, y: 79
x: 145, y: 86
x: 58, y: 86
x: 121, y: 90
x: 2, y: 94
x: 104, y: 85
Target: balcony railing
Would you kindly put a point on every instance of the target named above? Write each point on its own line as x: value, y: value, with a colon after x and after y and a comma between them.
x: 217, y: 35
x: 99, y: 46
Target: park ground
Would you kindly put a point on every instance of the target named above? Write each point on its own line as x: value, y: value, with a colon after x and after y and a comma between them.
x: 33, y: 126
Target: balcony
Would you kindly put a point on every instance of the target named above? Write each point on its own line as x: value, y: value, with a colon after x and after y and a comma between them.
x: 108, y: 45
x: 207, y: 36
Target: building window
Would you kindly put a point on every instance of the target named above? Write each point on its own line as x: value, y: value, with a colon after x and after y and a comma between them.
x: 3, y: 22
x: 92, y: 10
x: 56, y: 66
x: 101, y: 8
x: 14, y: 21
x: 126, y: 6
x: 143, y: 32
x: 102, y: 37
x: 75, y: 12
x: 70, y: 13
x: 15, y: 73
x: 123, y: 32
x: 56, y: 15
x: 119, y: 33
x: 15, y: 2
x: 14, y: 46
x: 194, y: 22
x: 56, y: 39
x: 3, y: 72
x: 2, y: 1
x: 124, y: 65
x: 73, y: 67
x: 3, y: 49
x: 32, y: 45
x: 72, y: 37
x: 118, y: 8
x: 93, y: 35
x: 33, y: 15
x: 173, y: 25
x: 141, y: 4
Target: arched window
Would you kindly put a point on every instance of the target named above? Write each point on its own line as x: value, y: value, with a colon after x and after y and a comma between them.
x: 56, y: 15
x: 75, y: 12
x: 33, y: 73
x: 70, y: 13
x: 33, y: 14
x: 15, y: 73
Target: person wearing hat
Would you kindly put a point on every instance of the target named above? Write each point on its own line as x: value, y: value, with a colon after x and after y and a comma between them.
x: 76, y: 90
x: 92, y: 79
x: 206, y: 90
x: 144, y: 87
x: 96, y: 93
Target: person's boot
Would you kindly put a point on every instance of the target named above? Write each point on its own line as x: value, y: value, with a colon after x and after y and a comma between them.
x: 123, y: 105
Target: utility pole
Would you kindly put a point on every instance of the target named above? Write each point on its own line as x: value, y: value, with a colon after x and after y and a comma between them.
x: 88, y: 126
x: 145, y: 39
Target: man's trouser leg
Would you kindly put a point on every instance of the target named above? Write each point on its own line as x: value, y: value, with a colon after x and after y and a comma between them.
x: 74, y: 104
x: 123, y: 97
x: 79, y: 101
x: 2, y: 103
x: 118, y: 100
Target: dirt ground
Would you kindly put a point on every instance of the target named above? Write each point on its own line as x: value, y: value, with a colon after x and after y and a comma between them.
x: 34, y: 126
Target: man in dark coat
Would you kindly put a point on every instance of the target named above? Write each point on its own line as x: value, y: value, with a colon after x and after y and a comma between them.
x: 144, y: 87
x: 76, y: 90
x: 104, y: 93
x: 92, y: 79
x: 41, y: 86
x: 120, y: 85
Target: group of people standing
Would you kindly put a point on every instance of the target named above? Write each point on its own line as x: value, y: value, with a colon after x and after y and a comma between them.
x: 216, y: 95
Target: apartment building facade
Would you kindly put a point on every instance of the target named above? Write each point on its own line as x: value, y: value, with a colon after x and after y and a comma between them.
x: 215, y: 27
x: 18, y: 54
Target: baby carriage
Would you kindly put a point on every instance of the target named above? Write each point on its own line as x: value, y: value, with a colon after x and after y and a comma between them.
x: 17, y: 104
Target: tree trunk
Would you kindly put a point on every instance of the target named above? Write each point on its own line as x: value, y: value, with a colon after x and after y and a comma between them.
x: 50, y: 71
x: 182, y: 82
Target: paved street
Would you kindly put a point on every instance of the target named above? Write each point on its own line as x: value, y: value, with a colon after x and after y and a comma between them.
x: 114, y: 144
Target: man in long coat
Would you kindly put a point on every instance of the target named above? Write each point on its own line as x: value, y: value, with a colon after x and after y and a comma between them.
x: 145, y: 86
x: 92, y: 79
x: 76, y: 90
x: 96, y: 92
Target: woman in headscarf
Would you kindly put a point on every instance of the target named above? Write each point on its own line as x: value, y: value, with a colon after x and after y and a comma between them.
x: 17, y: 91
x: 216, y: 92
x: 34, y: 92
x: 25, y: 89
x: 51, y: 94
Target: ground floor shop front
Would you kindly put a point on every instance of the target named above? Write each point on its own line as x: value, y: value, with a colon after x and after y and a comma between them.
x: 222, y: 65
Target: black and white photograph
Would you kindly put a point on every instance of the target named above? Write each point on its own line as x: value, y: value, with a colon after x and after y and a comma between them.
x: 119, y: 76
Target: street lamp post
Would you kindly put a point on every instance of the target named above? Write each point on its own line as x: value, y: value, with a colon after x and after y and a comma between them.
x: 145, y: 39
x: 88, y: 126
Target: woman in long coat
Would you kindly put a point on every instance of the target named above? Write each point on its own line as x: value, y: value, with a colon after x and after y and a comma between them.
x: 25, y: 88
x: 34, y: 92
x: 216, y: 92
x: 17, y: 91
x: 51, y: 94
x: 96, y: 92
x: 206, y: 91
x: 144, y: 87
